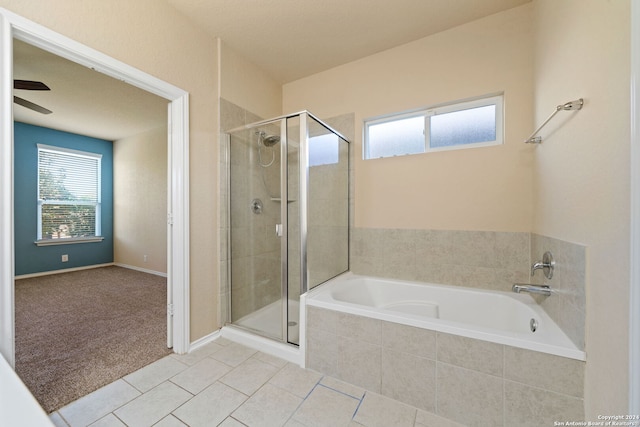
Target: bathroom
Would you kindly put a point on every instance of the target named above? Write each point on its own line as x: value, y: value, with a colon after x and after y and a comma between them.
x: 478, y: 217
x: 510, y: 203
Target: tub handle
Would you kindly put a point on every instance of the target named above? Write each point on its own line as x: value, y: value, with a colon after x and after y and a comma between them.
x: 547, y: 265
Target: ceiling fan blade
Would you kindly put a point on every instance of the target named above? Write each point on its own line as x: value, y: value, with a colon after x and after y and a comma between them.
x: 31, y: 105
x: 29, y: 85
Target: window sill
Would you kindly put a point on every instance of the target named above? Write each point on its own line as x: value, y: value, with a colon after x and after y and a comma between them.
x: 68, y: 241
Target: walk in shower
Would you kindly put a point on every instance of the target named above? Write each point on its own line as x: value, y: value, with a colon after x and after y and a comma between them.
x: 288, y: 187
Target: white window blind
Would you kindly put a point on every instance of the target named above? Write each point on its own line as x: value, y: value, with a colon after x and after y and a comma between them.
x: 68, y: 193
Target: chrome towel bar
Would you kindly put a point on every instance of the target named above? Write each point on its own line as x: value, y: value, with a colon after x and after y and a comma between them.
x: 568, y: 106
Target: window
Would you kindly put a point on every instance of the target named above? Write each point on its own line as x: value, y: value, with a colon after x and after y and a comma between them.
x: 476, y: 123
x: 323, y: 150
x: 68, y: 195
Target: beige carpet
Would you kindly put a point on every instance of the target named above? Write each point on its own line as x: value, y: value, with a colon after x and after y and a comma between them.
x: 79, y: 331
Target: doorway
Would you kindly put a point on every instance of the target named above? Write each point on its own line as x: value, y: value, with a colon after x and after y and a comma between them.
x: 13, y: 26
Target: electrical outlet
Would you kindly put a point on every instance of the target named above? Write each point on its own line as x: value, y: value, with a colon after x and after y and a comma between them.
x: 145, y: 258
x: 65, y: 258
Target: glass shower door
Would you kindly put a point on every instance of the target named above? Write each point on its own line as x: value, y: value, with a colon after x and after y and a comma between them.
x: 288, y: 184
x: 255, y: 223
x: 327, y: 216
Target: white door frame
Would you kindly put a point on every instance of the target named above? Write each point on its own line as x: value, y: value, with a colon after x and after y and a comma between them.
x: 634, y: 285
x: 14, y: 26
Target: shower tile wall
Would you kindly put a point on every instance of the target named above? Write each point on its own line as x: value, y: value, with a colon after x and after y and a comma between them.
x: 231, y: 116
x: 327, y: 249
x: 345, y: 124
x: 327, y: 225
x: 255, y: 249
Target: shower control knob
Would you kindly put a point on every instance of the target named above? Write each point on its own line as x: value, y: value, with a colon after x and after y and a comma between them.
x: 256, y: 206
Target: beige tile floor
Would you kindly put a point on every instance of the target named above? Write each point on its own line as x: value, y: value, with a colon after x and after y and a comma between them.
x: 227, y: 384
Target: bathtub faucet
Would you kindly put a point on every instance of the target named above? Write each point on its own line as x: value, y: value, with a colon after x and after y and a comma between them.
x: 532, y: 289
x: 546, y: 265
x: 537, y: 266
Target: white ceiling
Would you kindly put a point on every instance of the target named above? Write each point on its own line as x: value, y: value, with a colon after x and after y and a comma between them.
x: 83, y: 101
x: 288, y: 39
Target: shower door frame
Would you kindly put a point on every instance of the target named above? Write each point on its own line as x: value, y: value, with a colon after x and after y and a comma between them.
x: 284, y: 223
x: 303, y: 190
x: 634, y: 282
x: 284, y: 238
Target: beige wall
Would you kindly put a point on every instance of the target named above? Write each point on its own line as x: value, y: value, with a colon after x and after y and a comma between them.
x: 246, y: 85
x: 140, y: 200
x: 154, y: 38
x: 574, y: 187
x: 581, y: 185
x: 476, y: 189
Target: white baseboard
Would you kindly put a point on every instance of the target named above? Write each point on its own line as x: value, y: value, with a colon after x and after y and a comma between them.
x: 201, y: 342
x: 65, y: 270
x: 144, y: 270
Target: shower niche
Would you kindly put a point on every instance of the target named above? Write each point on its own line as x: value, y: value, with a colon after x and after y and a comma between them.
x: 288, y: 189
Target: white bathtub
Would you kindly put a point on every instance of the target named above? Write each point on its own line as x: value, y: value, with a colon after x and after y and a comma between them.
x: 499, y: 317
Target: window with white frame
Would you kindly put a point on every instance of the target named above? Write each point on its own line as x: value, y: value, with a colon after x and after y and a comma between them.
x: 467, y: 124
x: 68, y: 194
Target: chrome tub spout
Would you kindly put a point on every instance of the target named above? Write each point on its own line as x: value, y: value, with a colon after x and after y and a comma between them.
x: 532, y: 289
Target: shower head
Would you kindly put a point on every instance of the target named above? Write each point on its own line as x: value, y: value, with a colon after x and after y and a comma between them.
x: 270, y: 140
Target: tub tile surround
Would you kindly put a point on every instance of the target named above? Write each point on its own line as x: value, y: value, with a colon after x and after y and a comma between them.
x: 478, y: 259
x: 567, y: 304
x: 461, y: 380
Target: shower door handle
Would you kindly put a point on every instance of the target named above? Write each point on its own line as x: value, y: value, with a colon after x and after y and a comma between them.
x: 279, y: 230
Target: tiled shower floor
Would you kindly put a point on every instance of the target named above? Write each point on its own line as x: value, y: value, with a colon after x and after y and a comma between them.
x: 227, y: 384
x: 268, y: 319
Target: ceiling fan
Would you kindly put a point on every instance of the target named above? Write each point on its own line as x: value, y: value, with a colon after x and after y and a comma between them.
x: 30, y: 85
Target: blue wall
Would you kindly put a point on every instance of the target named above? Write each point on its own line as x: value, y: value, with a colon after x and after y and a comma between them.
x: 34, y: 259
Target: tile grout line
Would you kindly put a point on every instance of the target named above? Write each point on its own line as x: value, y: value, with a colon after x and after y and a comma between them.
x: 153, y: 388
x: 312, y: 388
x: 304, y: 399
x: 62, y: 417
x: 538, y: 388
x: 358, y: 407
x: 341, y: 392
x: 140, y: 393
x: 189, y: 400
x: 117, y: 417
x: 235, y: 419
